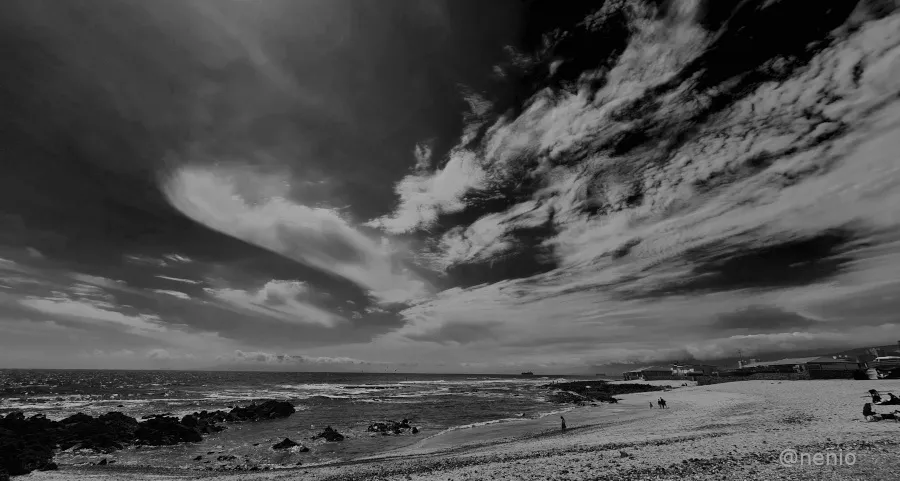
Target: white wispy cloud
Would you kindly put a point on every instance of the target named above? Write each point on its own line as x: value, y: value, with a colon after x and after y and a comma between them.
x: 178, y: 294
x: 279, y: 299
x: 93, y: 312
x: 316, y: 236
x: 178, y: 258
x: 178, y: 279
x: 257, y: 357
x: 145, y: 260
x: 425, y: 195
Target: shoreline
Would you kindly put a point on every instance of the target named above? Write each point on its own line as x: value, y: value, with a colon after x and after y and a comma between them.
x: 709, y: 431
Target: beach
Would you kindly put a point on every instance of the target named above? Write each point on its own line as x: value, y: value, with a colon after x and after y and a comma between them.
x: 732, y: 430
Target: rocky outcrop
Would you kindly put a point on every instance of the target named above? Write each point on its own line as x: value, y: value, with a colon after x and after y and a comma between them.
x: 165, y: 431
x: 330, y: 435
x: 392, y: 427
x: 106, y: 433
x: 258, y: 412
x: 28, y: 444
x: 25, y: 444
x: 582, y: 392
x: 287, y: 443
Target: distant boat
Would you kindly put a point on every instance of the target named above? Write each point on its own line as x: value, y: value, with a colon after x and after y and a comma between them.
x: 884, y: 367
x: 528, y: 373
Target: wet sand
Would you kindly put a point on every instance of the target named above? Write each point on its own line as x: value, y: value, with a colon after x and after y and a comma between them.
x: 733, y: 430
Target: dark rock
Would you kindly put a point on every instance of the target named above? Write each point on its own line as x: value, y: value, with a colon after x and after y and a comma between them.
x: 189, y: 420
x: 288, y: 444
x: 590, y: 391
x: 329, y: 435
x: 226, y: 457
x: 103, y: 462
x: 415, y: 430
x: 198, y: 458
x: 267, y: 410
x: 25, y: 444
x: 165, y: 431
x: 389, y: 427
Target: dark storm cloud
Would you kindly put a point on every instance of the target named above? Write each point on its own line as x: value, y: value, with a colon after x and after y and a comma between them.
x: 726, y: 266
x: 629, y: 180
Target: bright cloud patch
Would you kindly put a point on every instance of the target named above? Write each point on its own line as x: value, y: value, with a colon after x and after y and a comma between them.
x: 93, y: 312
x: 315, y: 236
x: 256, y: 357
x: 177, y: 294
x: 178, y: 279
x: 279, y: 299
x: 424, y: 196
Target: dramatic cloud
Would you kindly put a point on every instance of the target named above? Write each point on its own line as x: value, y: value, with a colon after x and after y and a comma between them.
x: 682, y: 210
x: 637, y: 182
x: 315, y: 236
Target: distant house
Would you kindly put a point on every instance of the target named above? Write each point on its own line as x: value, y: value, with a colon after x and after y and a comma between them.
x: 693, y: 369
x: 648, y: 373
x: 827, y: 367
x: 797, y: 364
x: 822, y: 367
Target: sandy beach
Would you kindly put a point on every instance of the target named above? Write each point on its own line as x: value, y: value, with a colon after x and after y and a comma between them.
x: 736, y: 430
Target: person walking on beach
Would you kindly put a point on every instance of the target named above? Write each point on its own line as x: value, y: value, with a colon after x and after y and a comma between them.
x: 563, y: 424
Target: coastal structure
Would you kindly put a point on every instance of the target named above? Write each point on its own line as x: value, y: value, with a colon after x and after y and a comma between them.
x: 789, y: 365
x: 833, y: 367
x: 693, y: 369
x: 821, y: 367
x: 647, y: 373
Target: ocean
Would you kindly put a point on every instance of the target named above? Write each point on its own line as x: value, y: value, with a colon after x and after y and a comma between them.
x: 348, y: 402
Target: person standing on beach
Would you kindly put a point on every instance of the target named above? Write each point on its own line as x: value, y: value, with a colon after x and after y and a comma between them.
x: 651, y: 404
x: 563, y: 424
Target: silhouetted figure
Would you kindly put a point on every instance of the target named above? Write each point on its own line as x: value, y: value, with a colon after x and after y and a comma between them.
x: 662, y: 403
x: 562, y: 423
x: 872, y: 416
x: 875, y: 397
x: 651, y: 404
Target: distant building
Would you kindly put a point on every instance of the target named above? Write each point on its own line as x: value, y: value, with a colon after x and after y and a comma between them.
x: 743, y: 363
x: 797, y: 364
x: 822, y: 367
x: 826, y: 365
x: 647, y: 373
x: 693, y: 369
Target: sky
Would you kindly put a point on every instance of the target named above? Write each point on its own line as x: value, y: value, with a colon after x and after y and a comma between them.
x: 446, y: 185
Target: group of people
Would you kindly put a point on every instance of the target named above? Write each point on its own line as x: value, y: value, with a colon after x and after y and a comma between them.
x: 660, y: 402
x: 889, y: 400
